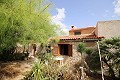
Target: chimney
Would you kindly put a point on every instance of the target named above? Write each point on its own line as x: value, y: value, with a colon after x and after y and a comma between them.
x: 72, y: 27
x: 71, y: 32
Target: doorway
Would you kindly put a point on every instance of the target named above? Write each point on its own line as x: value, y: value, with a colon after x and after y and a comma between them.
x: 65, y: 49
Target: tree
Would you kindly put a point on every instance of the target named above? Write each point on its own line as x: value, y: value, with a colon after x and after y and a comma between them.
x: 11, y: 29
x: 24, y: 21
x: 81, y: 47
x: 93, y: 60
x: 110, y: 51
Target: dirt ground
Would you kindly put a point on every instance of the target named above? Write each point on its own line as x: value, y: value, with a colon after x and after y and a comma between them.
x: 14, y: 70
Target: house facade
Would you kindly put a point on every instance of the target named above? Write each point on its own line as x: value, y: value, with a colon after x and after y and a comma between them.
x: 68, y: 44
x: 89, y: 35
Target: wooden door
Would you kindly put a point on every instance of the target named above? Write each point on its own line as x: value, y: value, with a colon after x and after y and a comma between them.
x: 55, y: 50
x: 70, y: 50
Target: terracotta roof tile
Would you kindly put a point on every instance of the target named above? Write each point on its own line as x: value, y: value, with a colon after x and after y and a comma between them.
x: 77, y: 37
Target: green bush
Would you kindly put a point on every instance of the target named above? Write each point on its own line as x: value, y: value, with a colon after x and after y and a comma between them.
x: 88, y: 51
x: 46, y: 69
x: 12, y: 57
x: 81, y: 47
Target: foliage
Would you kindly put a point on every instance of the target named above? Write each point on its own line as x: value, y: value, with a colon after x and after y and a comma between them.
x: 110, y: 51
x: 92, y: 59
x: 54, y: 40
x: 45, y: 56
x: 88, y: 51
x: 24, y: 21
x: 12, y: 57
x: 81, y: 47
x: 10, y: 29
x: 48, y: 70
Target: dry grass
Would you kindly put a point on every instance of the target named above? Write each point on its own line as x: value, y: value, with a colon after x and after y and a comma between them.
x: 12, y: 70
x: 9, y: 71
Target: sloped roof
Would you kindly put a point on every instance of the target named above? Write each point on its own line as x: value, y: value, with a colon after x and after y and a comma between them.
x: 83, y: 36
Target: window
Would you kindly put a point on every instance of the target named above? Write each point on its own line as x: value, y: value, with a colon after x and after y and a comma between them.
x: 77, y: 33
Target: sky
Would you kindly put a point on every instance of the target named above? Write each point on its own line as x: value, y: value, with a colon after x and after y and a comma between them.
x: 84, y: 13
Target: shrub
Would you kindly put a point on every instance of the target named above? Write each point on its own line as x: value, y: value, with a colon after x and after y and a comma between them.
x: 46, y: 69
x: 15, y: 56
x: 88, y: 51
x: 81, y: 47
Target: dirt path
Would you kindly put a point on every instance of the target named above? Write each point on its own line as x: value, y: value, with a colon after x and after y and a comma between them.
x: 14, y: 70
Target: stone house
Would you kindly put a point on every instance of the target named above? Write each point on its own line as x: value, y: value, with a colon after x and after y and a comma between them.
x: 89, y: 35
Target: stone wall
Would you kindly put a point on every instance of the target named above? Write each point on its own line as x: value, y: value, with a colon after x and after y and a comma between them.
x: 75, y: 44
x: 90, y: 44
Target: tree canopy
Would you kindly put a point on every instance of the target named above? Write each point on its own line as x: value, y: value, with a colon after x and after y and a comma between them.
x: 110, y: 51
x: 24, y: 21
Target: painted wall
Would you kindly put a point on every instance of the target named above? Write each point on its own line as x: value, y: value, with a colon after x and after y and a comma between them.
x: 87, y: 30
x: 108, y: 29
